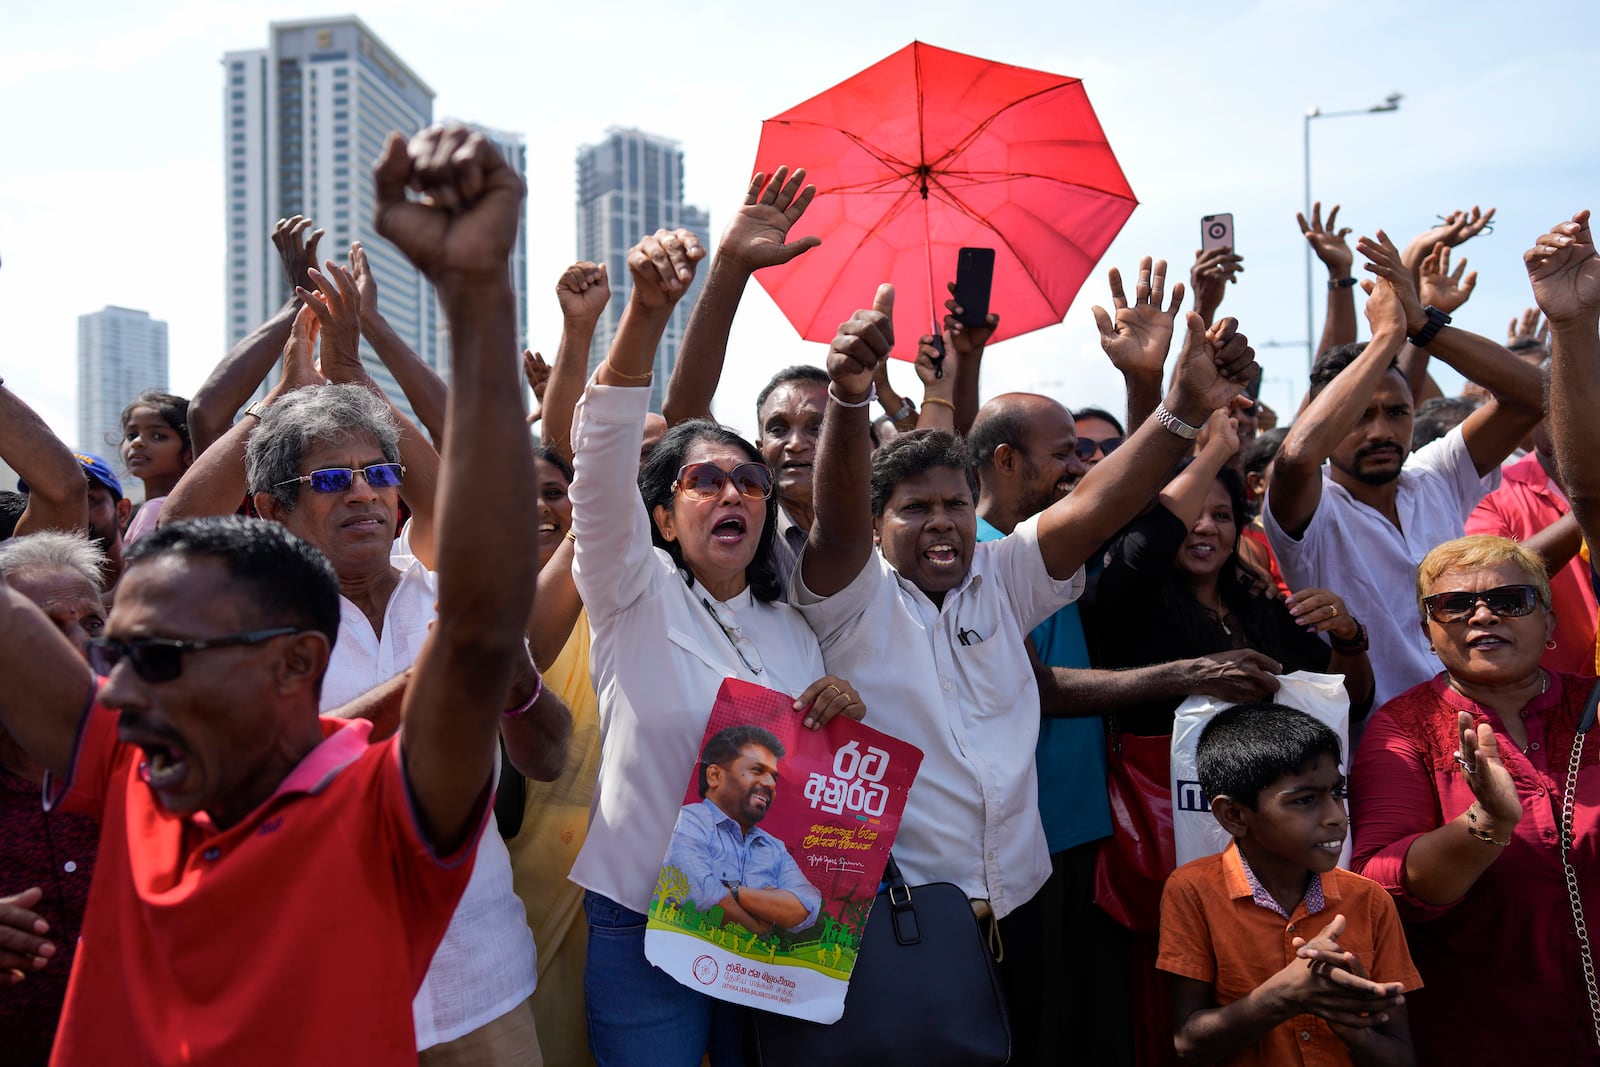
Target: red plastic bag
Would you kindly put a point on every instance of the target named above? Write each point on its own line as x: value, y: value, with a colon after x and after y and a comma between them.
x: 1133, y: 863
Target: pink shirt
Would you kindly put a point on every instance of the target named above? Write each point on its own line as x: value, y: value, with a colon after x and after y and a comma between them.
x: 1527, y: 502
x: 1502, y: 966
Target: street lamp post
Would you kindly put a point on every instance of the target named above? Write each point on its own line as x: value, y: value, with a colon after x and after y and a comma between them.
x: 1390, y: 103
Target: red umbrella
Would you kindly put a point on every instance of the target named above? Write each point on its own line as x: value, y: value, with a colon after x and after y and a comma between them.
x: 929, y: 151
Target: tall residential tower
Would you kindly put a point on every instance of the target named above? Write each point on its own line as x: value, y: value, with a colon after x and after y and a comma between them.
x: 630, y: 185
x: 121, y: 353
x: 303, y: 121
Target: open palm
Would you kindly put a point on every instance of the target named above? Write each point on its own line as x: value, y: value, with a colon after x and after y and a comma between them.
x: 1565, y: 271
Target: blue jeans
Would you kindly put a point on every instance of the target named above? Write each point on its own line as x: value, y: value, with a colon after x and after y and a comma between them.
x: 639, y: 1016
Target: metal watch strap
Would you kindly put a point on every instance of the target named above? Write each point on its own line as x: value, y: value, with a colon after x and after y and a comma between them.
x: 1174, y: 424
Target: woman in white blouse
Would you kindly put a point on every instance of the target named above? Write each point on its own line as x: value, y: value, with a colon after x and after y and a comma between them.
x: 681, y: 592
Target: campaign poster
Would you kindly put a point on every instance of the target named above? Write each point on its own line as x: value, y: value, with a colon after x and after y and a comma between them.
x: 777, y: 855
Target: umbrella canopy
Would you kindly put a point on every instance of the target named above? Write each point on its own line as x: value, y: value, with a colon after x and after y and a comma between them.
x: 929, y: 151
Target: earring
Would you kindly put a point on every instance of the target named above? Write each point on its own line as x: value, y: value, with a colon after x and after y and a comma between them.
x: 1550, y: 644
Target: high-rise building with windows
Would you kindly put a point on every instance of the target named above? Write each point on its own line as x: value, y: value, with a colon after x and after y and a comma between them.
x: 121, y: 353
x: 630, y: 185
x: 303, y: 121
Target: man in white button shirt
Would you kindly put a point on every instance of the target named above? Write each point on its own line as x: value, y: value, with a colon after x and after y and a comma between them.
x: 931, y: 627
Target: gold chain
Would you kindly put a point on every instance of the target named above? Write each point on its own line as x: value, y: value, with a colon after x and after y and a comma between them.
x: 1579, y: 925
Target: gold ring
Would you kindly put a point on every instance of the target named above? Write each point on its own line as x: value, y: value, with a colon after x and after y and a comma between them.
x: 1334, y: 608
x: 835, y: 688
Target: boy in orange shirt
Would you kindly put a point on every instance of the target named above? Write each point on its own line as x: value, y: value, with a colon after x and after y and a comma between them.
x: 1276, y: 955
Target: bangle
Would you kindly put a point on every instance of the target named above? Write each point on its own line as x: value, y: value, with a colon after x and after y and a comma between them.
x: 1335, y: 284
x: 572, y: 536
x: 625, y: 376
x: 1437, y: 320
x: 1481, y: 834
x: 938, y: 400
x: 1354, y: 645
x: 538, y: 691
x: 1172, y: 423
x: 872, y: 394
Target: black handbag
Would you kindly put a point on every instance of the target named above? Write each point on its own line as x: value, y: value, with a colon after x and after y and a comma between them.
x: 925, y: 992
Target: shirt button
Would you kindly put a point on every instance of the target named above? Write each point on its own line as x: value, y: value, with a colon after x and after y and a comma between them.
x: 1534, y: 747
x: 947, y: 687
x: 1305, y: 1035
x: 1524, y: 713
x: 1291, y: 928
x: 70, y: 866
x: 212, y: 853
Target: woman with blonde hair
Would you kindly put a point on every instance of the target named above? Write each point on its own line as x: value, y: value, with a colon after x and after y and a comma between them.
x: 1476, y: 803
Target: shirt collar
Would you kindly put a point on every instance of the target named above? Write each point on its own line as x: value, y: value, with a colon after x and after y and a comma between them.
x: 342, y: 741
x: 1242, y: 882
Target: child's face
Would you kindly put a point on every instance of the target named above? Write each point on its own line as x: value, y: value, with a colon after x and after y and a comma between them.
x: 1300, y: 819
x: 151, y: 448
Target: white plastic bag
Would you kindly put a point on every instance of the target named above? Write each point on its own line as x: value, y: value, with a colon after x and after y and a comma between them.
x: 1195, y: 830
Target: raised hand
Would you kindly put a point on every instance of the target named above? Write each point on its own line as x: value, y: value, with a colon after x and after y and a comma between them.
x: 1531, y: 327
x: 1139, y: 336
x: 366, y: 281
x: 860, y: 345
x: 537, y: 372
x: 1486, y: 775
x: 1565, y: 272
x: 963, y: 340
x: 296, y: 242
x: 1392, y: 300
x: 1216, y: 365
x: 299, y: 366
x: 336, y: 302
x: 461, y: 230
x: 1327, y: 241
x: 1457, y: 227
x: 757, y: 233
x: 1441, y: 288
x: 662, y: 266
x: 1209, y: 278
x: 583, y: 290
x: 1221, y: 430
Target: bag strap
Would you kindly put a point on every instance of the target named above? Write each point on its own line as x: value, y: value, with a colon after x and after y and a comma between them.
x: 902, y: 910
x: 1582, y: 928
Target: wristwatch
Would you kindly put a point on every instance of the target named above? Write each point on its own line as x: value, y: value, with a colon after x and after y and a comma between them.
x: 1335, y: 284
x: 733, y: 890
x: 908, y: 410
x: 1176, y: 425
x: 1437, y: 320
x: 256, y: 408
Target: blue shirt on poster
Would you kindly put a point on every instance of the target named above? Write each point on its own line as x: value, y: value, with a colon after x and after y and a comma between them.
x: 713, y: 852
x: 1071, y: 754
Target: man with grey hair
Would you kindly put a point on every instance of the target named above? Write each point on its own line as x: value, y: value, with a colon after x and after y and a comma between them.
x: 46, y: 856
x: 330, y: 462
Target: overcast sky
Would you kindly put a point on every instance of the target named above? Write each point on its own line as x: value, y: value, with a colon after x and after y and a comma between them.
x: 111, y: 179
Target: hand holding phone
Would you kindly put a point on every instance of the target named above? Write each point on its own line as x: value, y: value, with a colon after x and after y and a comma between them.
x: 1216, y: 231
x: 974, y: 277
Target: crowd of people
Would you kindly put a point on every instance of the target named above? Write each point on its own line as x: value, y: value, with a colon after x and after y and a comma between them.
x: 362, y: 739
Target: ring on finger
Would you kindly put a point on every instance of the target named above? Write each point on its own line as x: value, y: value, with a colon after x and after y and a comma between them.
x: 1333, y: 611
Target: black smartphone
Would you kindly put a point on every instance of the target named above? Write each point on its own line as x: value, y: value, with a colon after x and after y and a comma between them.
x: 1216, y: 231
x: 974, y: 276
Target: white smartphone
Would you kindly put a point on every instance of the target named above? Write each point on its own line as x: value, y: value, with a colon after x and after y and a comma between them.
x: 1216, y: 231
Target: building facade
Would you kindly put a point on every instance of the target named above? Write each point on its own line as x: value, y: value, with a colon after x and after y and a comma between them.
x: 121, y: 353
x: 630, y: 185
x: 303, y: 121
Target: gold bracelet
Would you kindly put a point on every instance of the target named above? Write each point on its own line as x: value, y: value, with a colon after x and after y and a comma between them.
x: 625, y: 376
x: 938, y: 400
x: 572, y: 537
x: 1481, y: 834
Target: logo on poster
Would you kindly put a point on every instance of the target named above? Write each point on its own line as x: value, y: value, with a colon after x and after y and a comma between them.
x: 856, y: 784
x: 705, y: 970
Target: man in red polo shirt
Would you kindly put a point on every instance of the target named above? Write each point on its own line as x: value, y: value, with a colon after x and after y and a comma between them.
x: 270, y: 887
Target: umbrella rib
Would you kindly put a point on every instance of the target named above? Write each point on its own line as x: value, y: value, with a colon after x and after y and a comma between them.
x: 956, y: 203
x: 978, y: 129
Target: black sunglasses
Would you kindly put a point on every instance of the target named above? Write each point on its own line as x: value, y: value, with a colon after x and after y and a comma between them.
x: 160, y: 659
x: 704, y: 481
x: 1088, y: 445
x: 1506, y: 601
x: 339, y: 479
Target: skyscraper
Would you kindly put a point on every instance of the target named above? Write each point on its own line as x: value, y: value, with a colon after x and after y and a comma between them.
x: 303, y: 120
x: 121, y: 353
x: 630, y: 185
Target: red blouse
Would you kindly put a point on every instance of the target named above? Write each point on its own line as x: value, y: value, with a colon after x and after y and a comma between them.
x: 1503, y: 979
